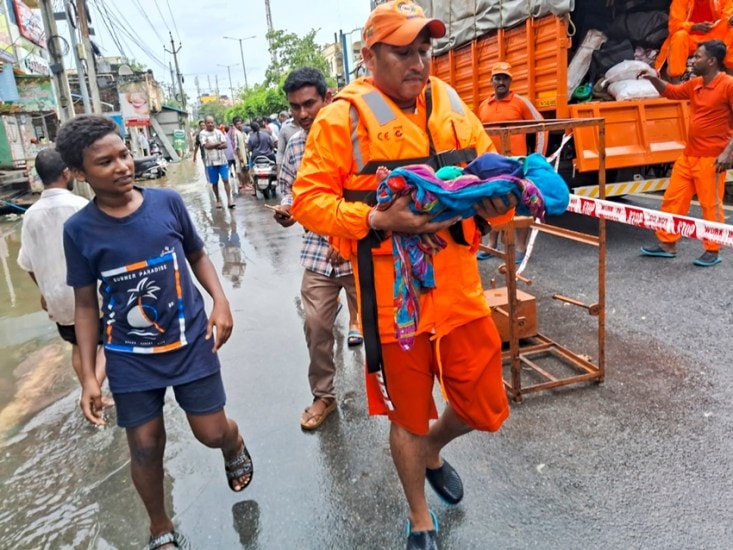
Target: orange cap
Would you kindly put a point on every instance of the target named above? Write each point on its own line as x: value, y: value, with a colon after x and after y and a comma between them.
x: 398, y: 23
x: 502, y: 67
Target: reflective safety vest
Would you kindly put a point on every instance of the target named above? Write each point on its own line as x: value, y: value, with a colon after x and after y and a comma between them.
x: 393, y: 140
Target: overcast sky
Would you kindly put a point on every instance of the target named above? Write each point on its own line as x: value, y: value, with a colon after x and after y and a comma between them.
x: 199, y: 28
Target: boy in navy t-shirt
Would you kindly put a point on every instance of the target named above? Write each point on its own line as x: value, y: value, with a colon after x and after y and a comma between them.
x: 137, y: 242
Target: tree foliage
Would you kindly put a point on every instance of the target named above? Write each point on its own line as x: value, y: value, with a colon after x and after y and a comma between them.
x: 290, y: 52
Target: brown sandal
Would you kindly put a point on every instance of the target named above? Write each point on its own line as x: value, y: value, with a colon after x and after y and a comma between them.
x: 310, y: 421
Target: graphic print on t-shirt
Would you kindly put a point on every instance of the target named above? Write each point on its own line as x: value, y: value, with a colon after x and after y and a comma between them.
x: 145, y: 309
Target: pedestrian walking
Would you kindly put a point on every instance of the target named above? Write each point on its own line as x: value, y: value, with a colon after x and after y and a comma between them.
x: 42, y: 254
x: 399, y: 115
x: 140, y: 243
x: 325, y: 273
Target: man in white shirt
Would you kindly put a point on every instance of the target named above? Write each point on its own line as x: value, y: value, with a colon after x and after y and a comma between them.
x: 42, y: 250
x: 214, y: 143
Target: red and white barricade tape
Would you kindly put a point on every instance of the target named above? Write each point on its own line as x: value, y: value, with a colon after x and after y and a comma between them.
x: 692, y: 228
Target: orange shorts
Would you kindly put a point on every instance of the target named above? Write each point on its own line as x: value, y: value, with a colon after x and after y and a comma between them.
x: 470, y: 359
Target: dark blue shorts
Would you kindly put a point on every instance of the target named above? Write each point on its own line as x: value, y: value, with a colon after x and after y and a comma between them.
x: 68, y: 333
x: 200, y: 397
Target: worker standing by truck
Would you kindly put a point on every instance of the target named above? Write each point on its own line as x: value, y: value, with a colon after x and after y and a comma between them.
x: 505, y: 106
x: 700, y: 169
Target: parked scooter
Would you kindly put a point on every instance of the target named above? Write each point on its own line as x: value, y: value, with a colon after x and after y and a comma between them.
x: 151, y: 167
x: 264, y: 176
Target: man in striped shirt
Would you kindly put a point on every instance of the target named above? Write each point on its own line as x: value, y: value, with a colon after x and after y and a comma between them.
x: 326, y: 272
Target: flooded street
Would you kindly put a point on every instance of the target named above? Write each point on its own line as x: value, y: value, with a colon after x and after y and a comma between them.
x: 639, y: 462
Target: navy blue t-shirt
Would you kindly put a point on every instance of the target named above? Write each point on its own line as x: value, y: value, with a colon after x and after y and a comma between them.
x: 154, y: 317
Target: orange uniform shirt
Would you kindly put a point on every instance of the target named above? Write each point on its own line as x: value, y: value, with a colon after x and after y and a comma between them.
x: 319, y: 205
x: 711, y: 118
x: 512, y: 107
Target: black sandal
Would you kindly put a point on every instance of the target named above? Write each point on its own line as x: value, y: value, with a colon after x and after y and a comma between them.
x: 171, y: 537
x: 240, y: 465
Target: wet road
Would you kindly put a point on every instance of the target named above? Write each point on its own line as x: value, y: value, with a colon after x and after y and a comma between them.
x: 640, y: 461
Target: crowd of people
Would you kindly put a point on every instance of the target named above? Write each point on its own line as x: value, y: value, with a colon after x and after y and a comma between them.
x: 153, y: 326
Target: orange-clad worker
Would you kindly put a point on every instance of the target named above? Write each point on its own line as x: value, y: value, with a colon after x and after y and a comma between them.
x: 400, y: 115
x: 504, y: 106
x: 692, y: 22
x: 700, y: 169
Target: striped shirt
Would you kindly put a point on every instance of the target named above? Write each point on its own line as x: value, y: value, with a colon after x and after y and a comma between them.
x: 315, y: 248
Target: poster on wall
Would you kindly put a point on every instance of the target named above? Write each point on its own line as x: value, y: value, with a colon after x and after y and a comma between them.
x: 6, y: 41
x: 134, y: 103
x: 30, y: 23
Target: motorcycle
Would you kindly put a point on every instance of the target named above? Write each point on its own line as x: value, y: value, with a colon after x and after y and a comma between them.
x: 264, y: 176
x: 151, y: 167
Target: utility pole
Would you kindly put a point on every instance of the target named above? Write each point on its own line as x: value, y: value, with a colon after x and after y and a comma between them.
x: 174, y: 51
x: 241, y: 53
x: 63, y: 93
x: 270, y: 29
x: 216, y: 79
x: 229, y: 72
x: 79, y: 65
x: 81, y: 9
x: 173, y: 80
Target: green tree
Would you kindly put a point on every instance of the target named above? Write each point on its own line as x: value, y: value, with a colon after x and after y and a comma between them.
x: 291, y: 52
x: 215, y: 109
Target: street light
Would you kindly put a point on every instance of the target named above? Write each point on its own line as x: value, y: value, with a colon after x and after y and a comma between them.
x: 241, y: 52
x: 229, y: 72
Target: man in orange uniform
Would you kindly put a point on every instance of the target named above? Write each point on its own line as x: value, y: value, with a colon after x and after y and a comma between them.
x: 505, y: 106
x: 692, y: 22
x: 398, y: 116
x: 700, y: 169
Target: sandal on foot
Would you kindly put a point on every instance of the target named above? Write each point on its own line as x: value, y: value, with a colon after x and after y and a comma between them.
x: 656, y: 251
x: 240, y: 465
x: 707, y: 259
x: 310, y: 421
x: 423, y: 540
x: 446, y: 482
x: 171, y: 537
x: 354, y: 338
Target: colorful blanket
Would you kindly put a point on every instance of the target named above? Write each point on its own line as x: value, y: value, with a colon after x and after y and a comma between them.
x: 443, y: 199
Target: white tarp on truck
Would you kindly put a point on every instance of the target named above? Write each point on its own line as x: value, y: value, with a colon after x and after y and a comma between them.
x: 469, y: 19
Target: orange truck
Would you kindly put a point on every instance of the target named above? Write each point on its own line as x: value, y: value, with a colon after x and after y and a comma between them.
x: 643, y: 136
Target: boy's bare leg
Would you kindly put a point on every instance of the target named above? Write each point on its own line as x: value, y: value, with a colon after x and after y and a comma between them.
x: 216, y: 431
x: 147, y: 444
x: 215, y: 188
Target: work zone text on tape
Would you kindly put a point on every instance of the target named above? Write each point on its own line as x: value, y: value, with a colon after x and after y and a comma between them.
x: 691, y: 228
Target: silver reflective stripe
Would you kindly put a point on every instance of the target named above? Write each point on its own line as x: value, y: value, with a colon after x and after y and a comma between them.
x: 355, y: 148
x: 455, y: 101
x: 379, y: 107
x: 537, y: 116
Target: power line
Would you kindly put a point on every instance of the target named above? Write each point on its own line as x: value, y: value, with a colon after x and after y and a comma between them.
x: 145, y: 16
x: 173, y: 19
x: 104, y: 15
x: 121, y: 25
x: 162, y: 17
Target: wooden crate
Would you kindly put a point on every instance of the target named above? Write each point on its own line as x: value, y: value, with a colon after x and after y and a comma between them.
x: 526, y: 312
